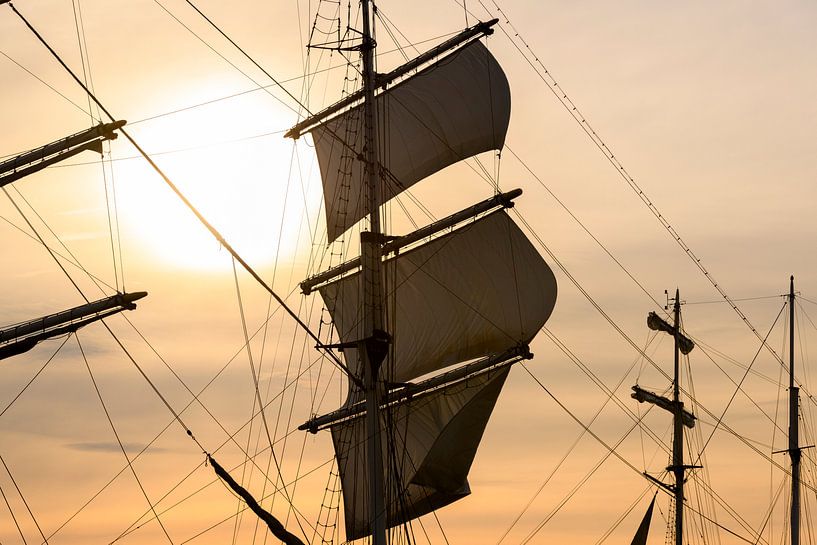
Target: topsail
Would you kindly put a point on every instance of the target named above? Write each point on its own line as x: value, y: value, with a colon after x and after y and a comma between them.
x: 450, y: 111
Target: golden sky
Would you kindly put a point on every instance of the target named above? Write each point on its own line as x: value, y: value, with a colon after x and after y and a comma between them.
x: 708, y: 106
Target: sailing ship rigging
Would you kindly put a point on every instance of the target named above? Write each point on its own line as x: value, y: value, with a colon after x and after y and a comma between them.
x: 426, y: 327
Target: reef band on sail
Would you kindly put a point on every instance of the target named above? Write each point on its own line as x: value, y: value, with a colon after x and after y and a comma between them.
x: 478, y: 30
x: 407, y: 392
x: 505, y: 200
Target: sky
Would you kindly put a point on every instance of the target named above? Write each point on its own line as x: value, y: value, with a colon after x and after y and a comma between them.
x: 708, y: 107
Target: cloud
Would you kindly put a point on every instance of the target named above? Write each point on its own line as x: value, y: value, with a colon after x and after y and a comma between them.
x: 110, y: 447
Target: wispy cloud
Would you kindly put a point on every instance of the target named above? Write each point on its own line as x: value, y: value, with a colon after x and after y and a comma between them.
x: 110, y: 447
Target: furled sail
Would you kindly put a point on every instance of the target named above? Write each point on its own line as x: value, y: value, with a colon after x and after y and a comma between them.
x: 432, y: 441
x: 456, y: 108
x: 473, y: 292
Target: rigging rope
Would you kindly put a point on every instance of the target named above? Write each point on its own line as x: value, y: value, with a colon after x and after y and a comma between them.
x: 610, y: 397
x: 23, y: 498
x: 231, y: 438
x: 258, y: 397
x: 738, y: 387
x: 13, y: 517
x: 74, y: 260
x: 199, y: 104
x: 52, y: 250
x: 85, y: 61
x: 631, y: 342
x: 37, y: 374
x: 119, y: 441
x: 624, y: 515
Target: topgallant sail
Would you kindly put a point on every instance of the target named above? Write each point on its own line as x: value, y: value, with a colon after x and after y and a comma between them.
x: 460, y: 305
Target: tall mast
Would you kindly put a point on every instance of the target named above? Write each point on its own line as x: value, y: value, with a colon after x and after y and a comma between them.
x: 678, y: 431
x: 374, y: 346
x: 680, y: 416
x: 794, y: 432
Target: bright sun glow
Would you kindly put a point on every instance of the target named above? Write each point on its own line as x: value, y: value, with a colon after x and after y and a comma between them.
x: 241, y: 187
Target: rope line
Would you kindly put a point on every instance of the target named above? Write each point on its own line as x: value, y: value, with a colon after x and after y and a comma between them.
x: 610, y: 397
x: 738, y: 386
x: 258, y: 393
x: 71, y: 262
x: 23, y: 498
x: 119, y: 440
x: 13, y: 517
x: 37, y: 374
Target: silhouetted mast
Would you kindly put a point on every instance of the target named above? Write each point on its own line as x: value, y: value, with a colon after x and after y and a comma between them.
x: 374, y: 344
x: 794, y: 431
x: 680, y: 416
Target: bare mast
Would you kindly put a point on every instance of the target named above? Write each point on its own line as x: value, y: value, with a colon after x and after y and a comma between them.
x: 794, y: 432
x: 678, y: 467
x: 680, y: 416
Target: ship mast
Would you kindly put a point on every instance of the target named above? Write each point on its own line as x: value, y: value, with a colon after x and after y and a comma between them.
x: 677, y: 431
x: 680, y: 416
x: 374, y: 346
x: 794, y: 432
x: 474, y: 83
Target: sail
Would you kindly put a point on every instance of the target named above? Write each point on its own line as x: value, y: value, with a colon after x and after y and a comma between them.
x: 473, y: 292
x: 452, y: 110
x: 640, y: 537
x: 432, y: 441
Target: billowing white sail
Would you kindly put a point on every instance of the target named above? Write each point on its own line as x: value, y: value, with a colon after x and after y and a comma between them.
x: 452, y: 110
x: 430, y: 443
x: 473, y: 292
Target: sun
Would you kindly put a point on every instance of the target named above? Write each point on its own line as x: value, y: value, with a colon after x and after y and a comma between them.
x: 246, y: 187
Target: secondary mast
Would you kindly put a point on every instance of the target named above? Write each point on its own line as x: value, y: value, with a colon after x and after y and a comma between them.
x: 794, y: 431
x: 680, y: 416
x: 677, y: 467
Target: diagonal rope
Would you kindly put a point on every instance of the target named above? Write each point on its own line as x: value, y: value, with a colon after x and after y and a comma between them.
x: 13, y: 517
x: 738, y: 387
x: 20, y: 493
x: 259, y: 401
x: 119, y: 440
x: 37, y: 374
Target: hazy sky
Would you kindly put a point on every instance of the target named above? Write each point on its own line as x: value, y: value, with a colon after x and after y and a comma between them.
x: 708, y: 106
